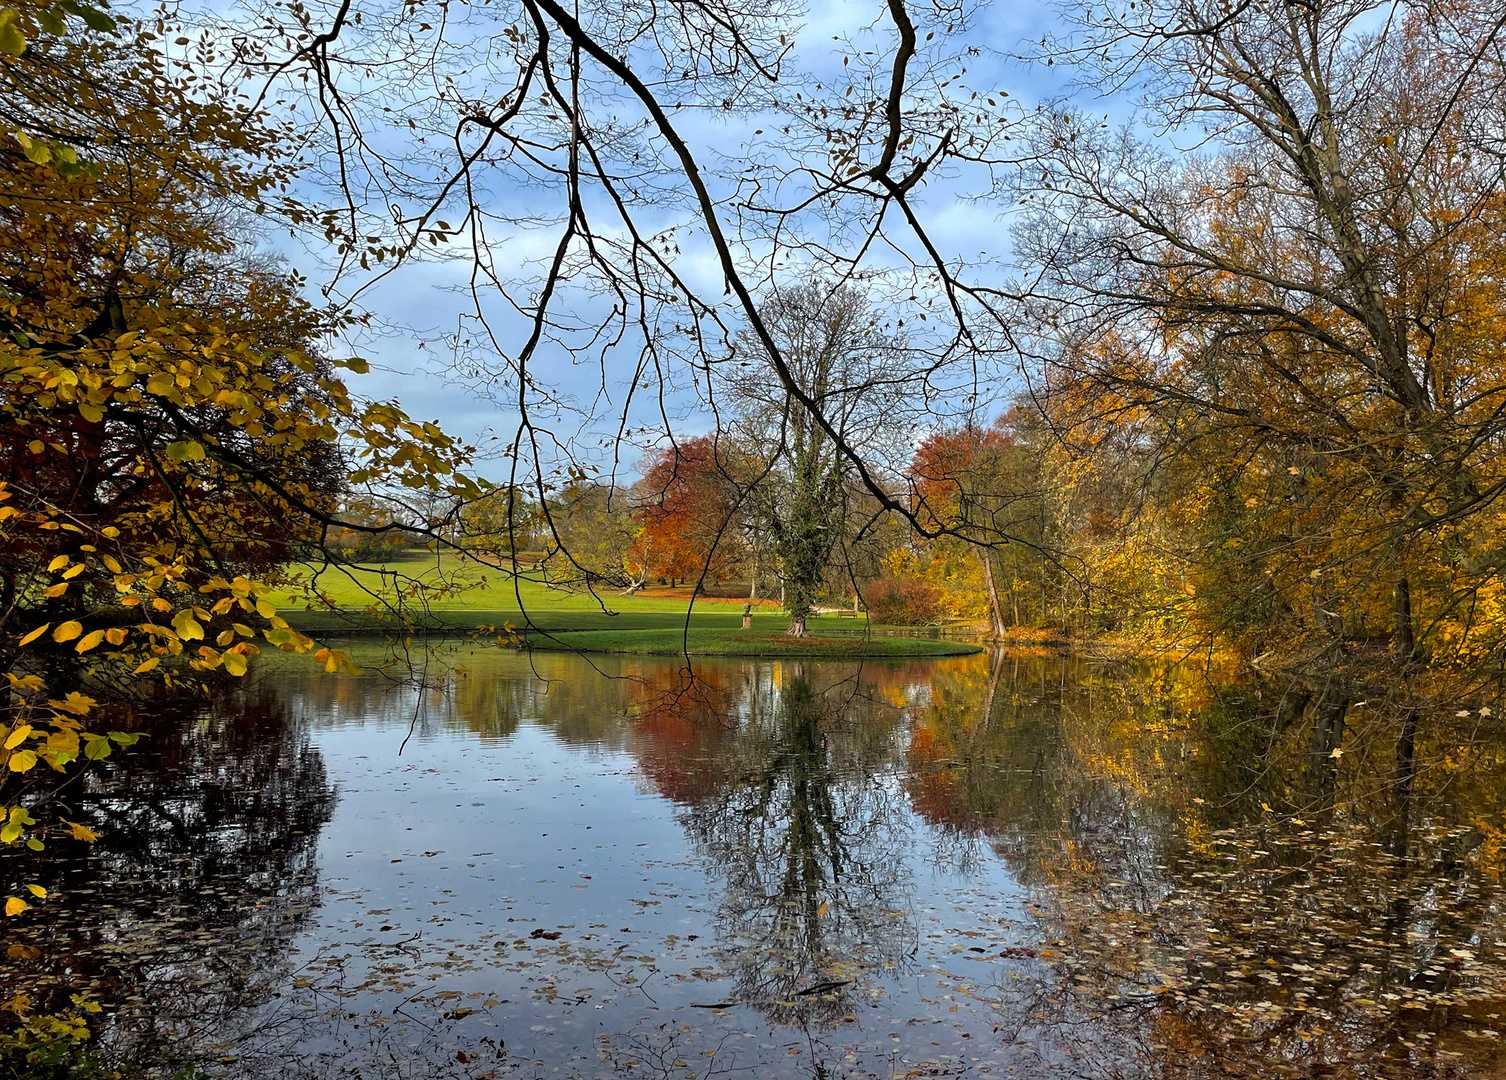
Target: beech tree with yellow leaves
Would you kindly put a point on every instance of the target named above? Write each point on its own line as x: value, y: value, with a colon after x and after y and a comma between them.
x: 171, y: 431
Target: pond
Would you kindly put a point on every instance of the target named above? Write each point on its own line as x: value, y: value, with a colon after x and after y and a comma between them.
x: 560, y: 866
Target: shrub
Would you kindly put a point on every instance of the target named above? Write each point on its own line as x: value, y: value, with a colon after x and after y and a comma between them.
x: 904, y: 602
x: 49, y: 1047
x: 58, y: 1046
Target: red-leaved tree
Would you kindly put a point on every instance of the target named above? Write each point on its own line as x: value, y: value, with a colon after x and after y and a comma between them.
x: 687, y: 507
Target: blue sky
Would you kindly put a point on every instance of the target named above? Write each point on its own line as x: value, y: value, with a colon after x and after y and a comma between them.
x: 418, y: 306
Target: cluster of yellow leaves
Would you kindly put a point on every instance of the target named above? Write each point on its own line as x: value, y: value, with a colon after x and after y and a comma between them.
x: 49, y: 1029
x: 202, y: 400
x: 174, y: 616
x: 950, y: 565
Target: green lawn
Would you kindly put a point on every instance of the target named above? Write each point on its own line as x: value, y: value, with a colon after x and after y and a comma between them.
x: 646, y: 622
x: 481, y: 588
x: 490, y: 598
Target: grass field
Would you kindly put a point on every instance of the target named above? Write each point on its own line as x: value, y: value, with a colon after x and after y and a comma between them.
x: 489, y: 597
x: 483, y: 588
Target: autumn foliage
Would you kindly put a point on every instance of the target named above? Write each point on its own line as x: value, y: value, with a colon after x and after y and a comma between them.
x: 687, y: 512
x: 170, y: 431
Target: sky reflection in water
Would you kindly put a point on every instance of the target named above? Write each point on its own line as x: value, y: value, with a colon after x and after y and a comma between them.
x: 973, y: 868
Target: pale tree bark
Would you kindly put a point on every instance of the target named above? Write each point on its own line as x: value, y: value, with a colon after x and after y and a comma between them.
x: 995, y: 605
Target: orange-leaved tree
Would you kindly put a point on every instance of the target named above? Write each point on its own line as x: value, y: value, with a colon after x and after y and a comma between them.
x: 687, y: 507
x: 983, y: 487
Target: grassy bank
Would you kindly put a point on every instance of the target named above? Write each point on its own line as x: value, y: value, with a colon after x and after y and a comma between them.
x: 465, y: 595
x: 652, y: 621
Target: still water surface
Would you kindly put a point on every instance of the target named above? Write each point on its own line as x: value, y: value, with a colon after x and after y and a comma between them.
x: 992, y: 866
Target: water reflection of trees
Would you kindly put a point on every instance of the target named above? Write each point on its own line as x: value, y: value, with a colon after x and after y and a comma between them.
x: 789, y: 800
x: 1212, y: 907
x: 180, y: 917
x: 487, y: 691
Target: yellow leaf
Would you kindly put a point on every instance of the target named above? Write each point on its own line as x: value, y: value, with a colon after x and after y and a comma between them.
x: 22, y: 761
x: 74, y: 703
x: 37, y: 891
x: 14, y: 905
x: 89, y: 641
x: 187, y: 626
x: 145, y: 666
x: 82, y: 833
x: 38, y: 632
x: 18, y: 736
x: 57, y: 563
x: 111, y: 565
x: 12, y: 41
x: 68, y: 631
x: 55, y: 590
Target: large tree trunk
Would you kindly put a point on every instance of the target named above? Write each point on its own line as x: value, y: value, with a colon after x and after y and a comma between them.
x: 995, y: 606
x: 1014, y: 585
x: 797, y: 624
x: 1404, y: 640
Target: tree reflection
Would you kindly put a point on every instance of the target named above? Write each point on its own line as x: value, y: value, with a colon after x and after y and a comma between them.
x: 793, y: 810
x: 1191, y: 916
x: 180, y: 917
x: 1210, y: 901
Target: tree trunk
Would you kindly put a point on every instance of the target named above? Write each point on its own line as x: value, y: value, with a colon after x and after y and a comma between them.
x: 1014, y: 585
x: 797, y: 625
x: 753, y: 584
x: 1325, y: 620
x: 995, y: 606
x: 1404, y: 641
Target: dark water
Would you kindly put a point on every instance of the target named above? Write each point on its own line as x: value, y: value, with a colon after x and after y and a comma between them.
x: 983, y: 867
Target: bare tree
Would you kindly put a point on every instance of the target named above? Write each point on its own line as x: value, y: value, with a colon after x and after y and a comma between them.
x: 851, y: 370
x: 667, y: 165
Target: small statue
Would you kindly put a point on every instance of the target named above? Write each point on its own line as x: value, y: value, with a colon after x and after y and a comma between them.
x: 748, y: 615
